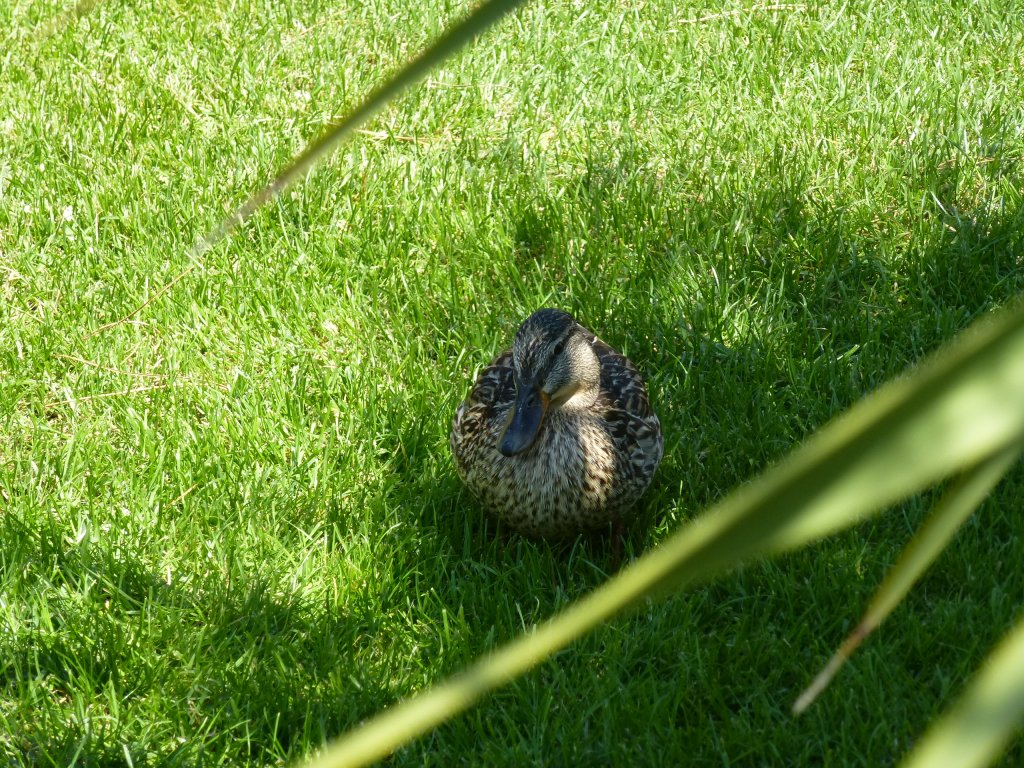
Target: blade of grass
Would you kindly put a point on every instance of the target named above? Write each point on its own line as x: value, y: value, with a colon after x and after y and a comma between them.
x: 959, y: 408
x: 955, y: 507
x: 164, y: 289
x: 65, y: 18
x: 980, y: 724
x: 762, y: 8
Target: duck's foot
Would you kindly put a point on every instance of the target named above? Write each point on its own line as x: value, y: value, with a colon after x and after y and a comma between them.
x: 618, y: 535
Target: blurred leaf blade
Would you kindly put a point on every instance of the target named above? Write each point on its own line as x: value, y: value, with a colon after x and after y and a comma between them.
x: 962, y: 406
x: 475, y: 24
x: 479, y: 20
x: 959, y: 407
x: 956, y: 505
x: 979, y: 726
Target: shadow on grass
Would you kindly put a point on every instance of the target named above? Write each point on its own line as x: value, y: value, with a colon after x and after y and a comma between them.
x: 748, y: 342
x: 756, y: 313
x: 257, y: 675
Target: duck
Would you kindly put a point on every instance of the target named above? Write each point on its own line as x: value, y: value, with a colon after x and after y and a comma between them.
x: 557, y: 436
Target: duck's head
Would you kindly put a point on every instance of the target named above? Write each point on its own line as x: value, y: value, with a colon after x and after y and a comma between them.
x: 554, y: 363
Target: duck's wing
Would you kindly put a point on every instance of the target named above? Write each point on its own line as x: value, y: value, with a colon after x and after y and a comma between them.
x: 493, y: 393
x: 632, y: 423
x: 622, y: 386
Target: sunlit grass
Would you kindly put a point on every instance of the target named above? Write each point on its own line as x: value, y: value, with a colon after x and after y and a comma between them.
x: 231, y: 527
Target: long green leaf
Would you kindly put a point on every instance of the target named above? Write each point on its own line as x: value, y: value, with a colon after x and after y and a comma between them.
x: 961, y: 407
x: 979, y: 726
x: 460, y: 35
x: 956, y: 506
x: 463, y: 33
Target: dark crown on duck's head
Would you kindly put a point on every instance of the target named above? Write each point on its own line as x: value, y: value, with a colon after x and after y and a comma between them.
x: 539, y: 337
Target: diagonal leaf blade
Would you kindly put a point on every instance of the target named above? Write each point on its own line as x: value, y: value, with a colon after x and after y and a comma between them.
x: 958, y: 503
x: 962, y: 406
x: 475, y: 24
x: 980, y: 724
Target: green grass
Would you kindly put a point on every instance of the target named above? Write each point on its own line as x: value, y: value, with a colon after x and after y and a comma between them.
x: 231, y: 526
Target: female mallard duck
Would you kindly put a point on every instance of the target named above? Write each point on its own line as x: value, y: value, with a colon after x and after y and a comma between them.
x: 557, y: 435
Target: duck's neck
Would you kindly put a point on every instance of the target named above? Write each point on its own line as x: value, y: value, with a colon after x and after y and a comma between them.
x: 586, y: 370
x: 582, y: 399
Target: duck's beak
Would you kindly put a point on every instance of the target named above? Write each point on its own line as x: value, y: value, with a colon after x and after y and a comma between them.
x: 527, y: 416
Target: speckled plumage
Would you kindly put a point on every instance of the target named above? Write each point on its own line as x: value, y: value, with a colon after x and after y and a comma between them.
x: 594, y: 454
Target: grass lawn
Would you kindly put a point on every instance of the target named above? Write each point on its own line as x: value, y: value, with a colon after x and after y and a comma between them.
x: 230, y: 526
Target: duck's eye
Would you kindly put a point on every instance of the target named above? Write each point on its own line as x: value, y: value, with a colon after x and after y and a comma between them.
x: 559, y: 348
